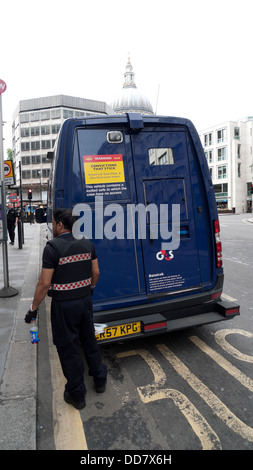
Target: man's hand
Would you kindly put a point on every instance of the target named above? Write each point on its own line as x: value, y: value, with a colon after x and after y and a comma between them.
x: 31, y: 315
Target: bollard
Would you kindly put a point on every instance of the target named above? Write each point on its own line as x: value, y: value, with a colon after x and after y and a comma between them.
x: 20, y: 237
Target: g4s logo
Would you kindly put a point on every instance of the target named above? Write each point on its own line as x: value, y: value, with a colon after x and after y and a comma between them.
x: 163, y: 254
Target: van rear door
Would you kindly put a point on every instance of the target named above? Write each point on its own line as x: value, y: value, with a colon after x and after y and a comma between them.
x: 101, y: 168
x: 162, y: 174
x: 152, y: 166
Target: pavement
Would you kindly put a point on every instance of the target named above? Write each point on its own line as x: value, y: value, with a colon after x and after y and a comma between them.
x: 18, y: 356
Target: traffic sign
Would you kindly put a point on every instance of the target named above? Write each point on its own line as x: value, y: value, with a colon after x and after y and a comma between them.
x: 7, y: 168
x: 3, y: 86
x: 8, y: 172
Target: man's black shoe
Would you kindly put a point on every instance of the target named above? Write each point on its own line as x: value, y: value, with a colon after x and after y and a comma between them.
x: 100, y: 387
x: 79, y: 405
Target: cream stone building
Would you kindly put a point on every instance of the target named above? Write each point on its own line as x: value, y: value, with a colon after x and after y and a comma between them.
x: 36, y: 123
x: 229, y: 152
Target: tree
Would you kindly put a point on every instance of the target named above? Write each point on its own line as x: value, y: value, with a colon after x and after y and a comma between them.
x: 9, y: 152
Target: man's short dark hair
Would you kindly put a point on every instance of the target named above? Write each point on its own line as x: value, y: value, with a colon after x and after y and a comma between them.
x: 65, y: 216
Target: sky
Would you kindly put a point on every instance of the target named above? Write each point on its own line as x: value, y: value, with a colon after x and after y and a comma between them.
x: 191, y: 58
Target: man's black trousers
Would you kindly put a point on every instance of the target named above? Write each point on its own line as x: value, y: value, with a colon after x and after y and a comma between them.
x: 72, y: 323
x: 11, y: 230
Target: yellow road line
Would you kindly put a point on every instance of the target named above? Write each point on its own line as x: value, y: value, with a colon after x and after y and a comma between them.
x: 68, y: 426
x: 226, y: 365
x: 208, y: 396
x: 220, y: 338
x: 153, y: 392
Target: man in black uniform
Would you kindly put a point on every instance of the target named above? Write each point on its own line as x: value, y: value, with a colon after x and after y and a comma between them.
x: 12, y: 220
x: 69, y: 273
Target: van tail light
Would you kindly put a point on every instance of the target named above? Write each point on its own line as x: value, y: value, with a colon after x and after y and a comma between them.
x: 155, y: 326
x: 218, y: 246
x: 216, y: 295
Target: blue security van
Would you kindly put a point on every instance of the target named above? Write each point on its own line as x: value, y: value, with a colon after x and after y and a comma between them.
x: 142, y: 191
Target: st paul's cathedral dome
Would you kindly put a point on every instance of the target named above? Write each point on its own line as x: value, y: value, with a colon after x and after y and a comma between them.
x: 131, y: 99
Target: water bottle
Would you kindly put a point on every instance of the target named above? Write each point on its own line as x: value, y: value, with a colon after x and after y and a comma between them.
x: 34, y: 332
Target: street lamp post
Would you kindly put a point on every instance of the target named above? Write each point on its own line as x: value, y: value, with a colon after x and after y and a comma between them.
x: 7, y: 290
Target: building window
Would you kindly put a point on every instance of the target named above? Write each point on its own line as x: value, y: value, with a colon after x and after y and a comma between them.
x: 45, y: 130
x: 222, y: 153
x: 45, y: 115
x: 35, y: 131
x: 222, y: 172
x: 36, y: 158
x: 45, y: 172
x: 55, y: 113
x: 209, y: 156
x: 34, y: 117
x: 208, y: 139
x: 238, y: 150
x: 67, y: 113
x: 237, y: 132
x: 25, y: 132
x: 221, y: 135
x: 46, y: 144
x: 24, y: 117
x: 36, y: 173
x: 26, y: 174
x: 211, y: 172
x: 79, y: 114
x: 221, y: 189
x: 25, y: 146
x: 55, y: 128
x: 35, y: 145
x: 239, y: 170
x: 26, y: 160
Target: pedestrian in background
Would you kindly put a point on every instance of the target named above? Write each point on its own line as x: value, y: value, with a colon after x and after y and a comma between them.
x: 69, y: 273
x: 12, y: 220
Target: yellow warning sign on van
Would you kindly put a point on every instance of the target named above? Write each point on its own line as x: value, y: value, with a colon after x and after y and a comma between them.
x: 103, y: 169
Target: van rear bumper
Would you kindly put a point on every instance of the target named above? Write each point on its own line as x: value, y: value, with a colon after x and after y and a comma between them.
x: 168, y: 315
